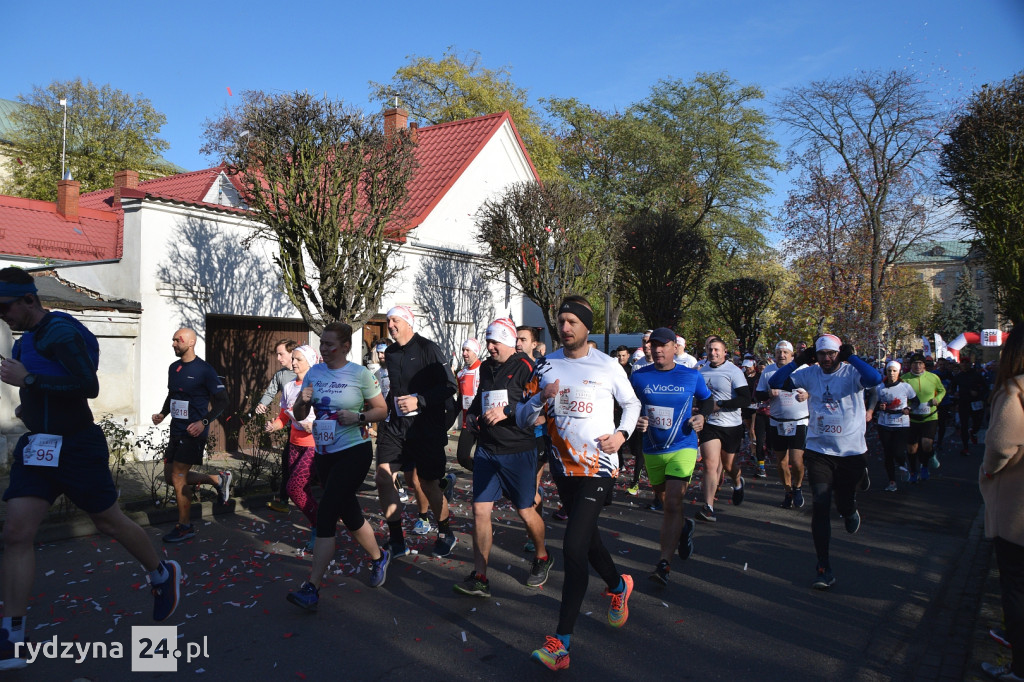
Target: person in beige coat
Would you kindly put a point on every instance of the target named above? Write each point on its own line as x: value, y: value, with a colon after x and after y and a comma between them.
x: 1002, y: 485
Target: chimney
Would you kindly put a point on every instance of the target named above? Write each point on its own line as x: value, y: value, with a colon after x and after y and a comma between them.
x: 395, y: 119
x: 414, y: 132
x: 67, y: 199
x: 124, y: 179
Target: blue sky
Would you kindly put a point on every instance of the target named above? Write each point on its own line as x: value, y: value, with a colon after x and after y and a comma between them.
x: 185, y: 55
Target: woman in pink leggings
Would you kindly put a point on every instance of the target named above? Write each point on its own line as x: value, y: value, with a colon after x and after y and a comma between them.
x: 300, y: 438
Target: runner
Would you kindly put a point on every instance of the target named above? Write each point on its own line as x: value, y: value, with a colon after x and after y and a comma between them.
x: 298, y: 454
x: 896, y: 399
x: 195, y: 397
x: 683, y: 358
x: 924, y: 418
x: 53, y: 365
x: 787, y: 427
x: 645, y: 347
x: 506, y: 457
x: 339, y: 392
x: 416, y: 430
x: 527, y: 342
x: 667, y: 392
x: 579, y: 385
x: 469, y: 376
x: 636, y: 440
x: 972, y: 390
x: 749, y: 415
x: 722, y: 434
x: 835, y: 454
x: 283, y: 352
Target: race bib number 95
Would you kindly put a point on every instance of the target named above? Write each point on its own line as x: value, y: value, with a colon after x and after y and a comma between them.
x: 42, y: 450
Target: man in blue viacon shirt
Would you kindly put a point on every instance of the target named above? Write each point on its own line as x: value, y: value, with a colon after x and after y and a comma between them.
x: 667, y: 392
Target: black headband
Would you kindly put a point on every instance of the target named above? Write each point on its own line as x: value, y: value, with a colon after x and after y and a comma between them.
x: 579, y: 310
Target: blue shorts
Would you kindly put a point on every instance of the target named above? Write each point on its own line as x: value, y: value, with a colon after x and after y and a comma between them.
x: 514, y: 474
x: 83, y: 473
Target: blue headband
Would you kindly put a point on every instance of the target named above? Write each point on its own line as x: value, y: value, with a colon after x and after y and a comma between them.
x: 12, y: 290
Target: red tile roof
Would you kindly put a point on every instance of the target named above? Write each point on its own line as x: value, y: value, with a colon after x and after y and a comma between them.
x: 33, y: 228
x: 443, y: 153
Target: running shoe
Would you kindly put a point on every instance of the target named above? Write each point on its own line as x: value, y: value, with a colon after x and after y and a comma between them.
x: 553, y: 654
x: 444, y: 545
x: 167, y: 593
x: 528, y: 546
x: 618, y: 612
x: 656, y: 505
x: 912, y: 478
x: 924, y: 475
x: 737, y: 493
x: 933, y: 462
x: 707, y: 514
x: 307, y: 597
x: 865, y: 481
x: 180, y: 533
x: 660, y: 574
x: 311, y: 543
x: 761, y: 473
x: 539, y: 572
x: 852, y: 522
x: 824, y: 579
x: 561, y: 514
x: 399, y: 549
x: 9, y: 661
x: 798, y: 498
x: 633, y: 490
x: 999, y: 635
x: 686, y: 539
x: 224, y: 487
x: 892, y: 487
x: 278, y: 506
x: 474, y: 585
x: 379, y: 568
x: 449, y: 487
x: 974, y: 437
x: 999, y: 672
x: 403, y: 495
x: 422, y: 527
x: 787, y: 501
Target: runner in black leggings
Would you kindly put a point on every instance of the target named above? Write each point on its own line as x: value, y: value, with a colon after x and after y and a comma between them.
x: 895, y: 398
x: 338, y: 391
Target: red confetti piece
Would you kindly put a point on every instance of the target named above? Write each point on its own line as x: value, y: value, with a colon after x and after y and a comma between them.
x: 288, y: 635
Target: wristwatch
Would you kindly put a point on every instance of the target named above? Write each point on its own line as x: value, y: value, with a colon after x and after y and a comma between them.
x: 30, y: 380
x: 206, y: 422
x: 362, y: 417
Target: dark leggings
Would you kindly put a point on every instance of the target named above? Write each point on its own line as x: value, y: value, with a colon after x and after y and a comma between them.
x: 283, y: 493
x: 1010, y: 559
x: 894, y: 447
x: 636, y: 448
x: 761, y: 436
x: 828, y: 474
x: 341, y: 474
x: 970, y: 424
x: 583, y: 498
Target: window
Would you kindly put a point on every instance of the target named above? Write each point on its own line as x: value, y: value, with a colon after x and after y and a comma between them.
x: 979, y: 279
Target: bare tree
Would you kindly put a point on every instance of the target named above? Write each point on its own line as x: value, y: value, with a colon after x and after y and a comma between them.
x: 741, y: 303
x: 662, y: 262
x: 880, y: 132
x: 327, y: 185
x: 545, y: 237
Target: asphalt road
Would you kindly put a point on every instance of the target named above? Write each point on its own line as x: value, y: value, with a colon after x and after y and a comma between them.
x: 740, y: 608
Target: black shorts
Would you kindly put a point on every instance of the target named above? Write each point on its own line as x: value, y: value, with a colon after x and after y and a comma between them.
x: 186, y: 450
x: 82, y: 473
x: 779, y: 443
x: 747, y: 412
x: 731, y: 436
x: 923, y: 431
x: 428, y: 458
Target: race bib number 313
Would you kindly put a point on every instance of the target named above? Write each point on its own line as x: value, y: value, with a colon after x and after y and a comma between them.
x: 42, y: 450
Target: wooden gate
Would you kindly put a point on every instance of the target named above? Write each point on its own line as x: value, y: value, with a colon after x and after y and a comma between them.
x: 241, y: 349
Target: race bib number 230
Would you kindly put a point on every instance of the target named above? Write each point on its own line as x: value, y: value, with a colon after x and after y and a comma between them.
x: 42, y: 450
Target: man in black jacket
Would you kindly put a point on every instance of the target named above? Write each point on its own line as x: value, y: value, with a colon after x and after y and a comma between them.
x: 506, y: 457
x: 415, y: 432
